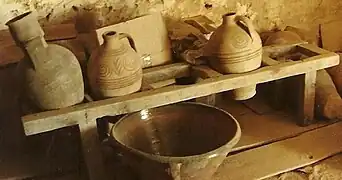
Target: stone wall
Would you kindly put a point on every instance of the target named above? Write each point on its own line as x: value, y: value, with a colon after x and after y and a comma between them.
x: 271, y: 13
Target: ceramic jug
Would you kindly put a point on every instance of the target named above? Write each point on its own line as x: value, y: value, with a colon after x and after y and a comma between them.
x: 235, y: 47
x: 50, y: 74
x: 115, y: 68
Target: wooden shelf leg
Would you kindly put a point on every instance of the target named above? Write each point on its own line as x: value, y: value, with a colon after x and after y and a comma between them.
x: 277, y: 98
x: 92, y: 153
x: 307, y: 98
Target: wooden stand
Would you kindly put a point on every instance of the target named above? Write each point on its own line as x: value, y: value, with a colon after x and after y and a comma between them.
x: 159, y: 89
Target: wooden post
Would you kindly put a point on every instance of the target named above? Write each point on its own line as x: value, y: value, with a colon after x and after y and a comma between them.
x: 306, y: 98
x: 277, y: 85
x: 92, y: 153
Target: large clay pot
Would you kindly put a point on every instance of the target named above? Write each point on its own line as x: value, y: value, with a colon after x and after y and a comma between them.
x: 282, y: 37
x: 50, y: 74
x: 115, y: 69
x: 185, y: 141
x: 235, y: 47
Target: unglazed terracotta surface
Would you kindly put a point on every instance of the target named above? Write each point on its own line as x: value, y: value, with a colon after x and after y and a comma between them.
x: 176, y: 142
x: 50, y: 74
x: 115, y: 69
x: 282, y: 37
x: 235, y: 47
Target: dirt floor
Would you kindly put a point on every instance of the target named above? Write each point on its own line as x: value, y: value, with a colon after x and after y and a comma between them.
x: 329, y: 169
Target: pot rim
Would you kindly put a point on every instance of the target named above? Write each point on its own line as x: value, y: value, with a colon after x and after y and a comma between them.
x: 166, y: 159
x: 19, y: 17
x: 232, y: 13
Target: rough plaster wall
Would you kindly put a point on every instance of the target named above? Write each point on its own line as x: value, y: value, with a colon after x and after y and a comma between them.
x: 271, y: 13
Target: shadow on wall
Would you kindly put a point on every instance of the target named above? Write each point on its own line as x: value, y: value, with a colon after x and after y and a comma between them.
x: 11, y: 130
x: 105, y: 12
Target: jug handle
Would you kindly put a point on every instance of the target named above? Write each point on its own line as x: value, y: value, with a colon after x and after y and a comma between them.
x: 248, y: 22
x: 130, y: 40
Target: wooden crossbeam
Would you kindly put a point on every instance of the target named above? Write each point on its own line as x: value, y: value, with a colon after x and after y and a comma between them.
x: 50, y: 120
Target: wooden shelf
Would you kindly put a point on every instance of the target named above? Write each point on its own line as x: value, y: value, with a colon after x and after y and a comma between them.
x: 159, y: 89
x: 51, y: 120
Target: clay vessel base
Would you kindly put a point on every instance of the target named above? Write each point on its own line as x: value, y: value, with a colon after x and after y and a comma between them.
x: 106, y: 93
x: 244, y: 93
x: 237, y: 67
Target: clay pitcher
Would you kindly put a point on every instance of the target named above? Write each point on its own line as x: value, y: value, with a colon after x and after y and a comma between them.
x: 115, y: 68
x: 50, y: 74
x: 235, y: 47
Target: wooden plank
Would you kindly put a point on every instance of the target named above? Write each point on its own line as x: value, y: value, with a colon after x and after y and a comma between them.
x: 52, y: 33
x: 162, y: 73
x: 10, y: 54
x: 163, y: 83
x: 311, y: 50
x: 280, y: 50
x: 306, y: 99
x: 92, y: 151
x: 50, y: 120
x: 13, y: 54
x: 259, y: 130
x: 60, y: 32
x: 282, y: 156
x: 204, y: 72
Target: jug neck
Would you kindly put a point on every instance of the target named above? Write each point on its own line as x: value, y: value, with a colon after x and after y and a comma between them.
x: 229, y: 18
x: 36, y: 51
x: 29, y: 35
x: 111, y: 40
x: 25, y: 28
x: 35, y: 44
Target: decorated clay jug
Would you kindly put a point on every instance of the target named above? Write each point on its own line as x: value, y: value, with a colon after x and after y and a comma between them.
x: 235, y: 47
x: 115, y: 68
x: 50, y: 74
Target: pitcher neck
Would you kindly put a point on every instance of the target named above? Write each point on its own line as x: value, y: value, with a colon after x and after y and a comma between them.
x: 111, y: 40
x: 229, y: 18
